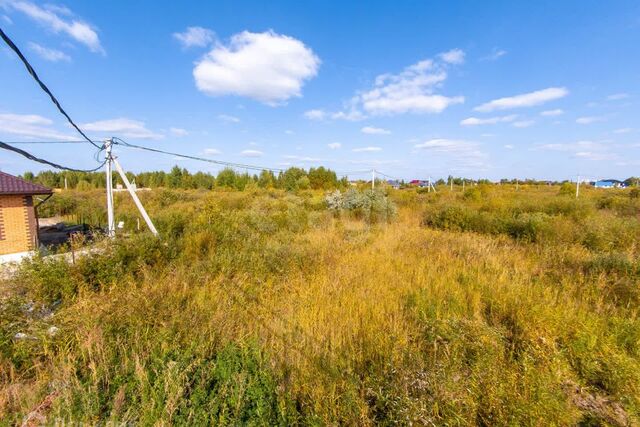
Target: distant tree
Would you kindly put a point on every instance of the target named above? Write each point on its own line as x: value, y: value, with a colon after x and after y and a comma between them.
x: 226, y: 178
x: 290, y: 178
x: 322, y: 178
x: 266, y: 179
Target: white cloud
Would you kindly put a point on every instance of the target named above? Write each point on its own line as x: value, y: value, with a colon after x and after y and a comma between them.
x: 524, y: 123
x: 462, y: 153
x: 195, y: 36
x: 6, y: 19
x: 179, y: 131
x: 474, y: 121
x: 623, y: 130
x: 411, y: 91
x: 52, y: 55
x: 370, y: 130
x: 524, y: 100
x: 618, y: 96
x: 251, y: 153
x: 366, y: 149
x: 122, y: 127
x: 303, y: 159
x: 495, y: 54
x: 50, y: 18
x: 315, y: 114
x: 268, y: 67
x: 551, y: 113
x: 445, y: 145
x: 30, y: 125
x: 212, y: 151
x: 334, y: 145
x: 228, y: 118
x: 454, y: 56
x: 582, y: 149
x: 588, y: 120
x: 590, y: 155
x: 289, y: 132
x: 508, y: 146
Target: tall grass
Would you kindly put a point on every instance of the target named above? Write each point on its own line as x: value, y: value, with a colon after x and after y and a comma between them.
x: 268, y: 308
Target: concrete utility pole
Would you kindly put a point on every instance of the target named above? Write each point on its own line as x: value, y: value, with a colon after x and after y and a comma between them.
x: 451, y: 183
x: 134, y: 196
x: 373, y: 179
x: 111, y: 224
x: 578, y: 186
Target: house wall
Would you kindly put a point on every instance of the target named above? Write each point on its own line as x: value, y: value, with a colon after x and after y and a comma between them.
x: 18, y: 227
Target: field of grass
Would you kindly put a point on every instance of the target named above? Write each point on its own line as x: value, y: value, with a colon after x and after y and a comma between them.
x: 495, y: 306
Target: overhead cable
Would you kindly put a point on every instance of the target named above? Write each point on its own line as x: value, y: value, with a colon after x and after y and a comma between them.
x: 118, y: 141
x: 44, y: 87
x: 30, y: 156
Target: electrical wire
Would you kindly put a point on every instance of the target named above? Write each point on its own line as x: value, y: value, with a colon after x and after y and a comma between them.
x: 44, y: 142
x: 386, y: 176
x: 119, y: 141
x: 30, y: 156
x: 44, y: 87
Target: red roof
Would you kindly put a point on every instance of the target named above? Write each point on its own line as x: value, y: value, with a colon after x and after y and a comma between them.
x: 10, y: 184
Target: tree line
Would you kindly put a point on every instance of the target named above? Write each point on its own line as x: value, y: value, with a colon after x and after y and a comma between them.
x: 291, y: 179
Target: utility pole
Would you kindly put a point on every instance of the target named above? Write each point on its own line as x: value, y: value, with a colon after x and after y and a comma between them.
x: 373, y: 179
x: 451, y: 182
x: 578, y: 186
x: 135, y: 198
x: 111, y: 224
x: 463, y: 185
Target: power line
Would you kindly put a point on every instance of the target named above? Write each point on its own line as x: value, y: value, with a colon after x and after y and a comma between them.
x: 30, y: 156
x: 44, y: 87
x: 387, y: 176
x: 119, y: 141
x: 44, y: 142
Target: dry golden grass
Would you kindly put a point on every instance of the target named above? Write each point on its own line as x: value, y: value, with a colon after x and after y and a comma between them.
x: 271, y: 311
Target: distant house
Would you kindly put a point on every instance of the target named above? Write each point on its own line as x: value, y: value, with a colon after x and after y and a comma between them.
x: 419, y: 183
x: 18, y: 220
x: 394, y: 183
x: 609, y: 183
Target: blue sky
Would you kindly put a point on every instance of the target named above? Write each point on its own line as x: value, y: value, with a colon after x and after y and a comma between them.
x: 541, y: 89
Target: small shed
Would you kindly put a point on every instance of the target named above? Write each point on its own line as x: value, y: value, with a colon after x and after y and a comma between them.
x: 18, y: 219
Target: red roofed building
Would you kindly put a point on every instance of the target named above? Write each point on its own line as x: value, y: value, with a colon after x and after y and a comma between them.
x: 18, y: 220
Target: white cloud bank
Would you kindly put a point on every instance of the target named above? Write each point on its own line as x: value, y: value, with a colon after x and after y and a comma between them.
x: 410, y: 91
x: 47, y: 54
x: 524, y: 100
x: 251, y: 153
x: 124, y: 127
x: 31, y: 126
x: 195, y: 36
x: 50, y: 17
x: 413, y: 90
x: 178, y: 132
x: 267, y: 67
x: 366, y: 149
x: 370, y: 130
x: 474, y: 121
x: 334, y: 145
x: 588, y: 120
x: 462, y: 154
x: 228, y: 118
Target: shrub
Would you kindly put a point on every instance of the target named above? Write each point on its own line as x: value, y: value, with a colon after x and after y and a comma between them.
x: 567, y: 189
x: 371, y: 205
